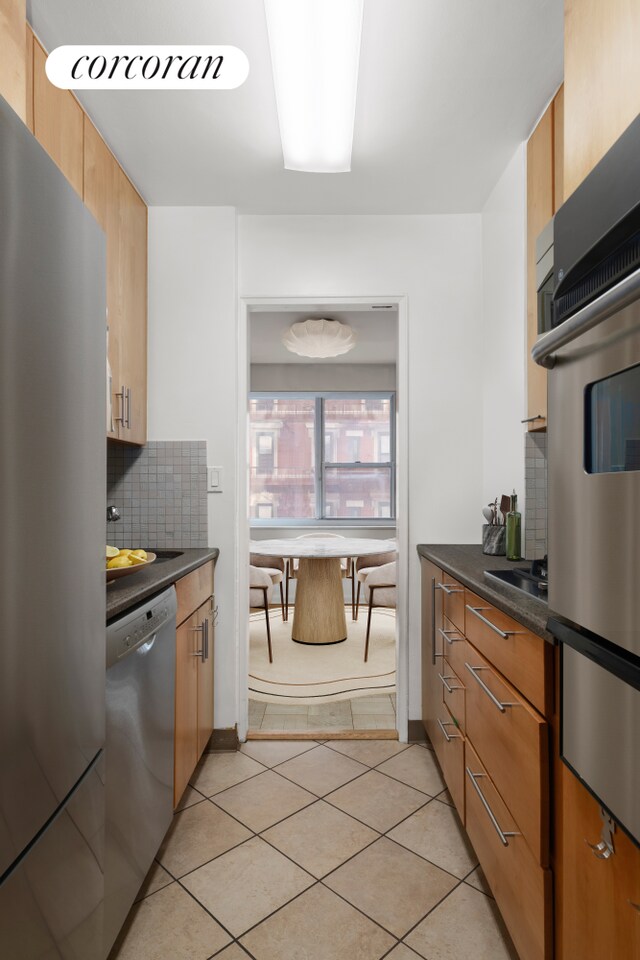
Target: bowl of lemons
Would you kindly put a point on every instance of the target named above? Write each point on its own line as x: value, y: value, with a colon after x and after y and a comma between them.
x: 121, y: 562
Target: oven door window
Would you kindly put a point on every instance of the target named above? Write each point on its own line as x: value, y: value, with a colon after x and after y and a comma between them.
x: 612, y: 423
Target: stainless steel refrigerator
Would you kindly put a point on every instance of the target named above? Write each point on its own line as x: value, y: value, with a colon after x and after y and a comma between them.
x: 52, y: 589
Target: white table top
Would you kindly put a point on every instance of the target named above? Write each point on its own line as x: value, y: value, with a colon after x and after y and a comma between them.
x: 319, y: 548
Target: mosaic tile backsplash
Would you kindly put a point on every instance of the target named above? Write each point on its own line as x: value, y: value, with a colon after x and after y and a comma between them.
x: 535, y: 482
x: 161, y: 492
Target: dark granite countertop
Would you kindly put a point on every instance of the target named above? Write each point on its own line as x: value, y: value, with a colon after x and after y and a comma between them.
x: 126, y: 592
x: 467, y: 563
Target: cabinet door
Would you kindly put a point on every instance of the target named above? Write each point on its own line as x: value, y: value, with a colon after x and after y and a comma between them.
x: 188, y: 643
x: 57, y: 122
x: 13, y: 55
x: 597, y: 901
x: 100, y: 172
x: 205, y: 679
x: 431, y: 646
x: 131, y: 280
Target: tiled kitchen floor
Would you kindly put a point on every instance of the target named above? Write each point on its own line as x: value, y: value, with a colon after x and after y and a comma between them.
x: 347, y: 850
x: 375, y: 712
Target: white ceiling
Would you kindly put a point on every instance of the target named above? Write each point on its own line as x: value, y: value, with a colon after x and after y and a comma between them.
x: 375, y: 331
x: 447, y: 89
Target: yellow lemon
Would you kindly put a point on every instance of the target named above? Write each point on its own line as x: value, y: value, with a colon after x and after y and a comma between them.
x: 139, y: 554
x: 116, y: 562
x: 124, y: 552
x: 134, y: 558
x: 112, y: 551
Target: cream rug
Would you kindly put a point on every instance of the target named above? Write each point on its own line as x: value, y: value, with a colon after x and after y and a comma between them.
x: 307, y: 673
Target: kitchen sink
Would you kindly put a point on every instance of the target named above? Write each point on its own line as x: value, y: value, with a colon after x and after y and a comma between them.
x: 522, y: 579
x: 167, y: 554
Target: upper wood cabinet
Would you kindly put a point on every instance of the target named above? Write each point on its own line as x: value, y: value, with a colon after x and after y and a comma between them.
x: 597, y: 900
x: 545, y: 191
x: 13, y: 72
x: 601, y: 80
x: 57, y: 122
x: 122, y: 214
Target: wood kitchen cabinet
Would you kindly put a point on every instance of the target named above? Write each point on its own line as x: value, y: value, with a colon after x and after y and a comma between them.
x: 122, y: 214
x: 545, y: 190
x: 13, y: 79
x: 58, y: 122
x: 194, y: 673
x: 597, y: 900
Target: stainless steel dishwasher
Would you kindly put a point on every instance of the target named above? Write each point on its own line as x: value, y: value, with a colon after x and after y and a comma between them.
x: 138, y: 750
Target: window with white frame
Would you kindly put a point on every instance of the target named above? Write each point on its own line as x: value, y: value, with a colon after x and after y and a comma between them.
x: 322, y: 456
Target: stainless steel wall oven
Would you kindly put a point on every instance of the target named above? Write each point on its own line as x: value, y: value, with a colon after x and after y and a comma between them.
x: 593, y: 356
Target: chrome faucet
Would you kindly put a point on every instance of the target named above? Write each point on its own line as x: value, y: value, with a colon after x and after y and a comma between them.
x: 112, y: 513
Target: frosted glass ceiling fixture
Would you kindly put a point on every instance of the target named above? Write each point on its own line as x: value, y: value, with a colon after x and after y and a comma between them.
x: 318, y: 337
x: 315, y: 49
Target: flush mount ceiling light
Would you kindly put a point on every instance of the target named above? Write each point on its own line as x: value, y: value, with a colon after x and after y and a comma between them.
x: 318, y: 337
x: 315, y: 49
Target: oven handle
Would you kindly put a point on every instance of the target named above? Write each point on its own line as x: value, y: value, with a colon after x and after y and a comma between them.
x: 604, y: 306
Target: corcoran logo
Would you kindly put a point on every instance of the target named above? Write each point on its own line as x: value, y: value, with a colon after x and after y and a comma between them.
x: 132, y: 67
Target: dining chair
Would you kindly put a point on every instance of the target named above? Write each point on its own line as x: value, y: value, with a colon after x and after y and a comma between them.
x: 364, y: 566
x: 275, y: 567
x: 381, y: 591
x: 346, y: 564
x: 260, y: 585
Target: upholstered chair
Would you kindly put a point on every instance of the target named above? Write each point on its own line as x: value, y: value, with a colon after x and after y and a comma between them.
x: 380, y: 590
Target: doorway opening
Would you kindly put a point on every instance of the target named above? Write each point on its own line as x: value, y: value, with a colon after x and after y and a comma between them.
x: 323, y: 503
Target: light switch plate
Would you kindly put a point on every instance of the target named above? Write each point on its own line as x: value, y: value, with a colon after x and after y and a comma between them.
x: 214, y: 479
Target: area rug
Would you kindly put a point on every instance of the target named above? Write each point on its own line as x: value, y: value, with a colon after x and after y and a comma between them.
x: 307, y: 673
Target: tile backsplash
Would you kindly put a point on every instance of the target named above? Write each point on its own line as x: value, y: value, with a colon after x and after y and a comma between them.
x: 161, y: 492
x: 535, y: 481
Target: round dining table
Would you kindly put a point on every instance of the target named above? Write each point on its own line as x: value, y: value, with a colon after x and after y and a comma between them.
x: 319, y: 616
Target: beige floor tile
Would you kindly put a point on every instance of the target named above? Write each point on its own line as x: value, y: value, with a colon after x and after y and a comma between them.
x: 374, y: 721
x: 321, y: 770
x: 338, y: 708
x: 155, y: 880
x: 218, y: 771
x: 234, y: 952
x: 372, y: 705
x: 264, y: 800
x: 401, y: 952
x: 318, y: 926
x: 286, y: 709
x: 418, y: 768
x: 478, y: 880
x: 167, y: 926
x: 467, y: 924
x: 198, y: 834
x: 445, y: 797
x: 189, y: 797
x: 320, y: 837
x: 369, y: 752
x: 282, y: 724
x: 435, y: 833
x: 377, y: 800
x: 247, y: 884
x: 391, y: 885
x: 272, y: 752
x: 333, y: 724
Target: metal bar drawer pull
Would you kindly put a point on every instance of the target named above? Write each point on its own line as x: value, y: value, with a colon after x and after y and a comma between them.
x: 500, y: 704
x: 449, y: 689
x: 448, y: 590
x: 476, y: 612
x: 448, y: 723
x: 474, y: 777
x: 445, y: 635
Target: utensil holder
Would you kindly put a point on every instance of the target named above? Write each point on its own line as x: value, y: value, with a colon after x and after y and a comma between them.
x: 494, y: 539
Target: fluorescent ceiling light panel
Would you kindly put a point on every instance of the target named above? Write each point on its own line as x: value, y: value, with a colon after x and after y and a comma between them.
x: 315, y: 50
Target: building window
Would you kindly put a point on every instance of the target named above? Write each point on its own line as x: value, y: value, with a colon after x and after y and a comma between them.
x: 322, y: 456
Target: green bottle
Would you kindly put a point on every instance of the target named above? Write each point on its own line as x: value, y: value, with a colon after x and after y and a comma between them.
x: 514, y: 520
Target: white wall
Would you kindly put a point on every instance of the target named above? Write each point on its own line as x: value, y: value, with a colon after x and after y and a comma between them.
x: 503, y: 339
x: 326, y: 376
x: 192, y: 382
x: 436, y: 262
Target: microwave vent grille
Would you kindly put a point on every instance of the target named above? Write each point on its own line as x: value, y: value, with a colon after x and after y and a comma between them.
x: 608, y: 272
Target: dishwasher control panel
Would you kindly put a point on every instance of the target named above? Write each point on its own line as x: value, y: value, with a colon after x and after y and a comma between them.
x: 139, y: 625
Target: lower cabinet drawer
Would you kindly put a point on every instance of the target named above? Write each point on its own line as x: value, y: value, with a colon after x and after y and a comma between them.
x: 194, y: 590
x: 512, y: 741
x: 453, y: 692
x: 448, y: 743
x: 453, y: 645
x: 522, y: 888
x: 453, y: 601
